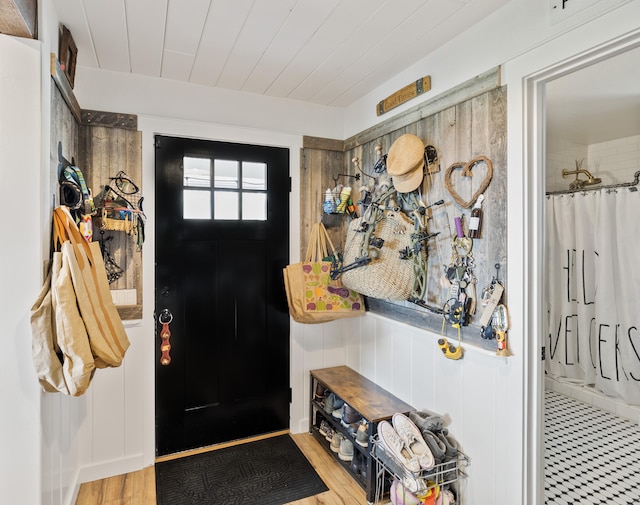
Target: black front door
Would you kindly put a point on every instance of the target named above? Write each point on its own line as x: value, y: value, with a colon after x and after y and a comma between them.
x: 222, y: 221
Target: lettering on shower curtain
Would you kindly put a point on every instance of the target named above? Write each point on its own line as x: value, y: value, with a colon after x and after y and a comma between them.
x: 613, y: 348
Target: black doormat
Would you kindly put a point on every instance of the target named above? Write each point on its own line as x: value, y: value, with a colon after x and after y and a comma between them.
x: 273, y: 471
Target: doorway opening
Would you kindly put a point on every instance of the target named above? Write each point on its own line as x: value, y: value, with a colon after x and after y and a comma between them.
x: 539, y: 89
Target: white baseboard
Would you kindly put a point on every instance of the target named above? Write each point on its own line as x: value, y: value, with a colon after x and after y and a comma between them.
x: 593, y: 397
x: 102, y: 470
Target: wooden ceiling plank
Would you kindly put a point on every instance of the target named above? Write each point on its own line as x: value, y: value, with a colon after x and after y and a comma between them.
x: 220, y: 32
x: 261, y: 25
x: 306, y: 19
x: 145, y: 24
x: 107, y: 24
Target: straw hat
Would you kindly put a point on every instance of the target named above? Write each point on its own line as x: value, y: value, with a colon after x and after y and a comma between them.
x: 405, y: 162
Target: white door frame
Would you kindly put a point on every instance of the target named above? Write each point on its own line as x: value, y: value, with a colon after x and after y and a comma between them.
x: 534, y: 110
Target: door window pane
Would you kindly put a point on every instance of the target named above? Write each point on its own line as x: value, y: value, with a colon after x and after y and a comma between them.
x: 225, y: 205
x: 226, y: 174
x: 197, y: 204
x: 254, y: 206
x: 197, y: 172
x: 254, y: 176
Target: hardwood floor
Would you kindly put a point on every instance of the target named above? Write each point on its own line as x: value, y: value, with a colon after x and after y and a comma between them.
x: 138, y: 488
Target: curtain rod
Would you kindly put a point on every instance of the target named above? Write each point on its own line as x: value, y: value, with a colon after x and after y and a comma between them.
x: 631, y: 185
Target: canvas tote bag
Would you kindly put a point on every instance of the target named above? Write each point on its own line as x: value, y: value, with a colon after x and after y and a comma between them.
x: 107, y: 336
x: 61, y: 353
x: 312, y: 295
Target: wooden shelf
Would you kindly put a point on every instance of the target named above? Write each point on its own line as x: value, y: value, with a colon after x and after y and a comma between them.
x: 372, y: 402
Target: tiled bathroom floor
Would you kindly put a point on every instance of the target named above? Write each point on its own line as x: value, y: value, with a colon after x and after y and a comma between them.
x: 591, y: 456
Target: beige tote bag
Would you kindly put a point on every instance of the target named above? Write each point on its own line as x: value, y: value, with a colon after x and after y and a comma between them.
x: 60, y: 345
x: 107, y: 336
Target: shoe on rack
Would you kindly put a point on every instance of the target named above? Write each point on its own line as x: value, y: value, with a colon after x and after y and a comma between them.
x: 337, y: 412
x: 352, y: 429
x: 450, y: 443
x: 320, y: 393
x: 328, y: 403
x: 397, y: 447
x: 349, y: 415
x: 336, y: 442
x: 345, y: 453
x: 333, y: 404
x: 436, y: 446
x: 412, y: 438
x: 323, y: 428
x: 356, y: 463
x: 330, y: 433
x: 426, y: 421
x: 362, y: 435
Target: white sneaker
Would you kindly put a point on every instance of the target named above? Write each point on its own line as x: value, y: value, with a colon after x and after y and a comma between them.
x: 397, y: 447
x: 411, y: 436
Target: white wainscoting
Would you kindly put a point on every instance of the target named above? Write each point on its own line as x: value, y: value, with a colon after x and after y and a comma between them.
x: 475, y: 395
x: 99, y: 434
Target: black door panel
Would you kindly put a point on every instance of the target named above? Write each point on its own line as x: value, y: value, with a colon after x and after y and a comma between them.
x: 222, y: 281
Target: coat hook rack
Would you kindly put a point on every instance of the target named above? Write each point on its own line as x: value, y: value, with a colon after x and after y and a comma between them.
x: 335, y: 179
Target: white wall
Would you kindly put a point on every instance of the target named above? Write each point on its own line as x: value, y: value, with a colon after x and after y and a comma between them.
x: 20, y: 267
x: 498, y: 423
x: 562, y: 154
x: 484, y: 396
x: 615, y: 161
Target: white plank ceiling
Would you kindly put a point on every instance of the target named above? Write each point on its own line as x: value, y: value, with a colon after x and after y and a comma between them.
x: 328, y: 52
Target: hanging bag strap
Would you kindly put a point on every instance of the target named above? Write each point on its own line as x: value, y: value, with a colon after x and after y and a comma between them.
x: 320, y: 245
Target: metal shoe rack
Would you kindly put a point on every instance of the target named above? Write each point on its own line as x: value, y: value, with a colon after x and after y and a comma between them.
x: 369, y: 400
x: 388, y: 468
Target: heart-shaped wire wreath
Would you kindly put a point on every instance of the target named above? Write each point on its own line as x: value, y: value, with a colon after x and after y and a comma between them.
x: 466, y: 172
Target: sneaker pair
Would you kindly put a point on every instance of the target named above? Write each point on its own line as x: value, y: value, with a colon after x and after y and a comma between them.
x: 362, y: 434
x: 332, y: 403
x: 325, y: 429
x: 345, y: 453
x: 341, y: 446
x: 320, y: 393
x: 404, y: 441
x: 349, y: 415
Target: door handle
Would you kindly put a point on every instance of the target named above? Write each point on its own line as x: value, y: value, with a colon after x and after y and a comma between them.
x: 165, y: 319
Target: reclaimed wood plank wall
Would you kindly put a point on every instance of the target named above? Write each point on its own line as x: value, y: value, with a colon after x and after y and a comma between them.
x: 101, y: 144
x: 461, y: 130
x: 105, y: 151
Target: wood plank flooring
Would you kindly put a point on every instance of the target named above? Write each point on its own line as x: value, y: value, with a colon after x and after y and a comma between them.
x: 138, y: 488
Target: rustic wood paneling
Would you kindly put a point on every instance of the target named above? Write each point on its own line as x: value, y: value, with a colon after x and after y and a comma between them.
x: 19, y: 18
x: 322, y: 143
x: 106, y: 151
x: 477, y: 86
x: 62, y: 83
x: 319, y: 171
x: 466, y: 123
x: 109, y: 119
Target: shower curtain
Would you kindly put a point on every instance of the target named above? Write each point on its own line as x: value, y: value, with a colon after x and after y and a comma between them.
x: 593, y: 290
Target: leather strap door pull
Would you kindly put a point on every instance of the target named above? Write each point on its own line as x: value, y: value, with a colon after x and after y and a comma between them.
x: 165, y: 346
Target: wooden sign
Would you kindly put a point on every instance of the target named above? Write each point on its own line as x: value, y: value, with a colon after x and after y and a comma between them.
x: 403, y: 95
